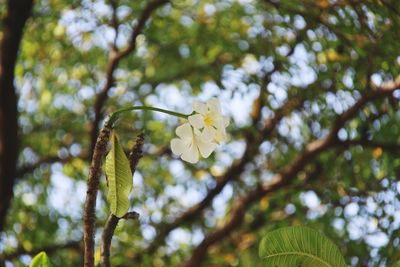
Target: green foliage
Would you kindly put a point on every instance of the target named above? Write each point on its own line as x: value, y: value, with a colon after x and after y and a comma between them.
x: 196, y: 49
x: 119, y: 177
x: 40, y: 260
x: 299, y: 246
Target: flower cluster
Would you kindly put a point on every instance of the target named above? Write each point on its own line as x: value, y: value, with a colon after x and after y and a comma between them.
x: 202, y: 133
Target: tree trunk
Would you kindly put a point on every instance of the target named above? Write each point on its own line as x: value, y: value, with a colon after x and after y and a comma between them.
x: 18, y: 11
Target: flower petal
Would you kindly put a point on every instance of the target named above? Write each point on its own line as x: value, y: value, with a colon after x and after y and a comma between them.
x: 191, y: 155
x: 214, y: 106
x: 221, y: 123
x: 196, y: 131
x: 208, y: 134
x: 197, y: 121
x: 221, y: 136
x: 199, y: 107
x: 226, y: 121
x: 206, y: 148
x: 178, y: 146
x: 185, y: 131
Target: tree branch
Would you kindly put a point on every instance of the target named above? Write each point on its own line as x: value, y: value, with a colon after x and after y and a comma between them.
x: 114, y: 59
x: 114, y: 23
x: 107, y: 235
x: 287, y: 174
x: 98, y: 147
x: 89, y: 217
x: 393, y: 148
x: 136, y: 152
x: 253, y: 141
x: 18, y: 11
x: 240, y: 205
x: 28, y: 168
x: 261, y: 216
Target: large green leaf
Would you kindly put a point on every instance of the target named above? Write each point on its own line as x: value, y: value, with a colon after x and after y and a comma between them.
x: 119, y: 177
x: 40, y: 260
x: 397, y: 264
x: 299, y: 246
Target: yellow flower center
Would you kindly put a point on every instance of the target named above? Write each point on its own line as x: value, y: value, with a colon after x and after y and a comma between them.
x: 208, y: 120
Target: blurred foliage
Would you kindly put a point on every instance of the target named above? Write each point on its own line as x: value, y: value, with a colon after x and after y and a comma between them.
x: 324, y: 52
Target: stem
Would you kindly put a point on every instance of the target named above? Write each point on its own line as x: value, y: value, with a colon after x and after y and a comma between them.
x: 106, y: 238
x: 114, y: 116
x: 89, y: 217
x: 108, y: 233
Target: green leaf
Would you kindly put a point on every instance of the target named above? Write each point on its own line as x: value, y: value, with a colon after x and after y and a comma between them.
x: 397, y: 264
x: 40, y: 260
x: 119, y: 177
x: 299, y: 246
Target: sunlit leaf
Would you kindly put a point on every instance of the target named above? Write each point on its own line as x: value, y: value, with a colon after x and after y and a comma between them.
x: 299, y: 246
x: 40, y: 260
x: 119, y: 177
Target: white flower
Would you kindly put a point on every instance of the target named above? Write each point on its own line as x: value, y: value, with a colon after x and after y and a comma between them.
x: 205, y: 129
x: 210, y: 120
x: 190, y: 143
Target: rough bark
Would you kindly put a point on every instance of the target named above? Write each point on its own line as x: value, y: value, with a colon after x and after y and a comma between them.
x: 89, y: 216
x: 18, y: 11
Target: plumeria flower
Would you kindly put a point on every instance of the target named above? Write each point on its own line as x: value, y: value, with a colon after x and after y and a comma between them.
x: 209, y: 119
x: 205, y: 129
x: 190, y: 142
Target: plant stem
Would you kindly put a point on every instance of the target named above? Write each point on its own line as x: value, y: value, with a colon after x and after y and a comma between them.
x: 114, y: 116
x: 89, y: 217
x: 95, y: 172
x: 108, y: 233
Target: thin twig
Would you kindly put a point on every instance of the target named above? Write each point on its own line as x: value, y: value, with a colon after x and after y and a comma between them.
x: 136, y: 152
x: 106, y: 238
x: 114, y: 23
x: 114, y: 58
x: 108, y: 233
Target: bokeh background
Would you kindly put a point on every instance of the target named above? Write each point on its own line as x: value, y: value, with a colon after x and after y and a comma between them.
x: 310, y: 90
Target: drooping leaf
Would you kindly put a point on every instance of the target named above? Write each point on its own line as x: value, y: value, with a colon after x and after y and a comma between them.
x: 119, y: 177
x: 299, y: 246
x: 40, y: 260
